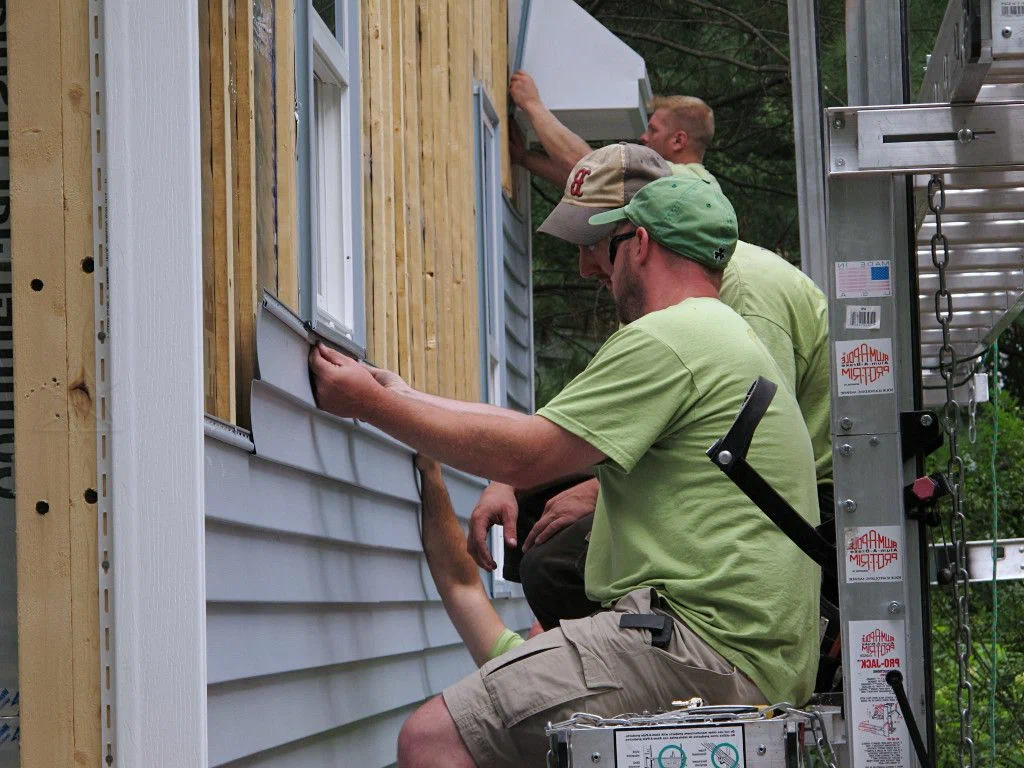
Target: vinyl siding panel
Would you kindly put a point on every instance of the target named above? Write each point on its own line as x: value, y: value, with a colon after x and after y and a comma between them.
x: 518, y: 310
x: 324, y: 629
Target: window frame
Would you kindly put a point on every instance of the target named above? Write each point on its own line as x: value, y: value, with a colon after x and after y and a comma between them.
x: 334, y: 60
x: 490, y: 254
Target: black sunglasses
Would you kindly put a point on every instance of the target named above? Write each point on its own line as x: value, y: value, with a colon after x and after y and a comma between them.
x: 613, y: 245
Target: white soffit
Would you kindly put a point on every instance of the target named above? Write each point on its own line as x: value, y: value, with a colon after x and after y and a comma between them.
x: 592, y: 81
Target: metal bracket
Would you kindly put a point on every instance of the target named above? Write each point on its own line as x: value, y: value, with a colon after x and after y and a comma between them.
x: 913, y: 138
x: 919, y: 433
x: 1009, y: 561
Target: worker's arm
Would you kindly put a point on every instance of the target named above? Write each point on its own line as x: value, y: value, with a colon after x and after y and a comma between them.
x: 453, y: 570
x: 497, y: 504
x: 564, y: 148
x: 484, y: 440
x: 536, y: 163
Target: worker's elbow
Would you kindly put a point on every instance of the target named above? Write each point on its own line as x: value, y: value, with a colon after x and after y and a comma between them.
x: 530, y: 472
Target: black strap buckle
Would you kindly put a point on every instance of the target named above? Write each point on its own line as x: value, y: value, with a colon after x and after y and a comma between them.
x: 659, y: 624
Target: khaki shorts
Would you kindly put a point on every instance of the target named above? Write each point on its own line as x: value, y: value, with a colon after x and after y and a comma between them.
x: 585, y: 665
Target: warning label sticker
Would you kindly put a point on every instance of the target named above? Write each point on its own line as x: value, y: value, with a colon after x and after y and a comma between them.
x: 874, y: 553
x: 680, y: 748
x: 880, y: 737
x: 864, y: 367
x: 863, y: 279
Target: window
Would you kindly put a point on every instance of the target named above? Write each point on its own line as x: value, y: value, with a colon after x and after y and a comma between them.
x: 490, y: 263
x: 491, y: 272
x: 335, y: 209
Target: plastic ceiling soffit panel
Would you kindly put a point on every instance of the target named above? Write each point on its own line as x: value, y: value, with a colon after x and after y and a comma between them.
x: 591, y: 80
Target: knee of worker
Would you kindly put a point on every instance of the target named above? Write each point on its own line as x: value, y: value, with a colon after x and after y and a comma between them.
x: 419, y: 731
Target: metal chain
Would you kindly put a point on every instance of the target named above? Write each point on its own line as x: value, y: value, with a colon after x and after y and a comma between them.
x: 972, y: 412
x: 955, y: 476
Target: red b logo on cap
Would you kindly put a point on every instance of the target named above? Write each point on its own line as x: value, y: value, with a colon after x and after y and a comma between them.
x: 576, y: 188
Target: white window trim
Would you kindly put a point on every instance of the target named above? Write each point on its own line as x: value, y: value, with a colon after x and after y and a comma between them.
x: 491, y: 265
x: 331, y: 293
x: 490, y: 253
x: 333, y: 247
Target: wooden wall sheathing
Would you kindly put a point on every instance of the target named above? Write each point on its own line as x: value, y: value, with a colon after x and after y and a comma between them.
x: 216, y: 140
x: 419, y: 64
x: 264, y: 114
x: 55, y: 418
x: 285, y: 154
x: 243, y: 199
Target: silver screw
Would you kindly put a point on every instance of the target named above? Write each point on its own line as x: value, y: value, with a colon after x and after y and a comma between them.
x: 762, y: 749
x: 874, y: 441
x: 895, y: 608
x: 724, y: 458
x: 926, y: 420
x: 846, y: 449
x: 838, y: 123
x: 840, y: 162
x: 965, y: 135
x: 595, y: 757
x: 849, y: 505
x: 1007, y: 32
x: 846, y: 423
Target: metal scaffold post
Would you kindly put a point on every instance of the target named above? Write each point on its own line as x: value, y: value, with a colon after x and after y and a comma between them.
x: 871, y: 310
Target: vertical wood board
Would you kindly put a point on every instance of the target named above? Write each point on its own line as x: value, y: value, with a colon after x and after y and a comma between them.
x: 42, y: 474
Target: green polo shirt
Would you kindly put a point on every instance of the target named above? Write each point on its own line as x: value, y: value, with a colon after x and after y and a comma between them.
x: 789, y: 313
x: 658, y: 393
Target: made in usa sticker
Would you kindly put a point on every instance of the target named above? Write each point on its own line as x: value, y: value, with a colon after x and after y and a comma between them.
x: 863, y: 279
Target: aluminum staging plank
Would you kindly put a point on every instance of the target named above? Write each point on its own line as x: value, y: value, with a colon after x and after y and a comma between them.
x: 984, y: 212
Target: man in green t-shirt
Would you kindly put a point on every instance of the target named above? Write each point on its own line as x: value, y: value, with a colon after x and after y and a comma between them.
x: 675, y: 545
x: 783, y: 306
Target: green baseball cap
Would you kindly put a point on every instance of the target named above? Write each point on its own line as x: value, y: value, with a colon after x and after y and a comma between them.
x: 687, y: 214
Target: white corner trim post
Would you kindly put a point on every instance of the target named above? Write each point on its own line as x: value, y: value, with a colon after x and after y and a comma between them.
x: 156, y: 382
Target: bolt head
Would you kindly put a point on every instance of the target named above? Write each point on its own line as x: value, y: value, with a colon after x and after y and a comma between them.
x: 846, y: 423
x: 873, y: 441
x: 846, y: 449
x: 838, y: 123
x: 595, y: 757
x: 849, y: 505
x: 926, y: 420
x: 724, y: 458
x: 1007, y: 33
x: 895, y: 608
x: 762, y: 749
x: 840, y: 162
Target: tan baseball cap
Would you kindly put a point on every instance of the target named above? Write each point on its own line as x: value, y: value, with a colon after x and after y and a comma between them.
x: 603, y: 180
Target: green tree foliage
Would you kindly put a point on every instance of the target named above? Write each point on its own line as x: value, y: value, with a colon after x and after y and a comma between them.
x: 1009, y: 648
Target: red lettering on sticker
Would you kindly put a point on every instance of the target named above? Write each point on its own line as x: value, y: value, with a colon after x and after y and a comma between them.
x: 864, y: 364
